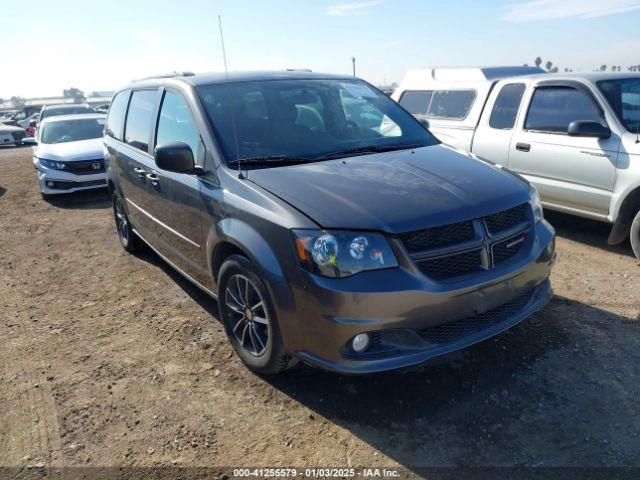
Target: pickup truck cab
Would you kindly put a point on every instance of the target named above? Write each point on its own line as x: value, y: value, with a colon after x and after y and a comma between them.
x: 574, y: 137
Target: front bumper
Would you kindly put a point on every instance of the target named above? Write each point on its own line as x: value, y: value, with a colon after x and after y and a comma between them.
x: 410, y: 318
x: 57, y: 181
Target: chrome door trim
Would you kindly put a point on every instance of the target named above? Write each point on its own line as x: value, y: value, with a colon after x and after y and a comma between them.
x: 167, y: 227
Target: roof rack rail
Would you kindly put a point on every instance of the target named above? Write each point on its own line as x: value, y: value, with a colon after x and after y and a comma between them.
x: 298, y: 70
x: 167, y: 75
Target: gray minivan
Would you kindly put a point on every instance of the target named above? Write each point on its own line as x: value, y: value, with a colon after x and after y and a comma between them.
x: 329, y: 224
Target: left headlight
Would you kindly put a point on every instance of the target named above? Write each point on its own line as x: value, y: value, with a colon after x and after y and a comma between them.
x: 536, y: 205
x: 52, y: 164
x: 338, y: 254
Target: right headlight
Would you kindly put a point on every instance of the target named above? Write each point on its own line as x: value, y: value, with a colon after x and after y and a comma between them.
x: 536, y: 205
x: 338, y: 253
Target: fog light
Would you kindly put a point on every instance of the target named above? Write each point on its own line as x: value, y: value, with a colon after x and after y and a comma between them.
x: 360, y: 342
x: 49, y: 184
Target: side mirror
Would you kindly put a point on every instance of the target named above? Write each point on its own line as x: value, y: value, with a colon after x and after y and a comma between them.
x: 424, y: 122
x: 586, y: 128
x: 176, y: 157
x: 30, y: 141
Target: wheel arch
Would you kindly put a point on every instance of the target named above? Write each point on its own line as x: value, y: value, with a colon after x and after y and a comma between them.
x: 625, y: 214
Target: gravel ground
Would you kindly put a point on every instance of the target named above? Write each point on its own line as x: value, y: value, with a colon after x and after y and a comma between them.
x: 109, y: 359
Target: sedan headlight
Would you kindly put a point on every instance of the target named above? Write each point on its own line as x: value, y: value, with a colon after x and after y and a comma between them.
x: 536, y: 205
x: 52, y: 164
x: 337, y: 253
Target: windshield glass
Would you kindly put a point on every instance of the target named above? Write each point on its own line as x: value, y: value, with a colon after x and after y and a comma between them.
x: 72, y: 130
x: 306, y: 118
x: 624, y: 97
x: 54, y: 112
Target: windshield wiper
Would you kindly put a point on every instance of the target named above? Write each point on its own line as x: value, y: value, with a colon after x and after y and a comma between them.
x: 283, y: 159
x: 369, y: 149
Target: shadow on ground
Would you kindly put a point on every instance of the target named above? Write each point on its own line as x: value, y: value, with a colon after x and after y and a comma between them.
x: 82, y: 200
x: 584, y: 230
x: 2, y: 191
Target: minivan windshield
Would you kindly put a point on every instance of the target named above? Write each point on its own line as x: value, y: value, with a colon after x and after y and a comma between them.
x: 304, y: 120
x: 624, y: 97
x: 63, y: 131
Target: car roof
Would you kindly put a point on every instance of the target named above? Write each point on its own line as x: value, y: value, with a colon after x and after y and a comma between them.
x: 232, y: 77
x: 587, y: 76
x: 66, y: 106
x: 77, y: 116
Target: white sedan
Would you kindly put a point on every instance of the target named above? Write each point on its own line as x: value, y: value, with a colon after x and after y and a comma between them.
x: 70, y: 154
x: 10, y: 135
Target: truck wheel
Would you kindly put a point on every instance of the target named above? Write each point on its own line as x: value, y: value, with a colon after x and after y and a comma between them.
x: 249, y: 318
x: 128, y: 239
x: 635, y: 235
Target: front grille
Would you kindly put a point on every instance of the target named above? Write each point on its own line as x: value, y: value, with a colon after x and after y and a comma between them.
x: 446, y: 252
x: 18, y: 135
x: 442, y: 268
x: 506, y: 249
x: 451, y: 332
x: 504, y: 220
x: 85, y: 167
x: 438, y: 236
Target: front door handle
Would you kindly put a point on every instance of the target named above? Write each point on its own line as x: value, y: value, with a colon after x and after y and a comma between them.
x: 153, y: 178
x: 523, y: 147
x: 140, y: 172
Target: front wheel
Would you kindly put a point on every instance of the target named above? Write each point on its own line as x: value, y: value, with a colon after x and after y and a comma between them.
x: 128, y: 239
x: 249, y: 318
x: 635, y: 235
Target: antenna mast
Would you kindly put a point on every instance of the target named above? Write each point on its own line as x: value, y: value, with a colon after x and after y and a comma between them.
x: 233, y: 119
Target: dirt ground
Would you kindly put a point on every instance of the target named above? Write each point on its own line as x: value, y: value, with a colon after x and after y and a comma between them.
x: 109, y: 359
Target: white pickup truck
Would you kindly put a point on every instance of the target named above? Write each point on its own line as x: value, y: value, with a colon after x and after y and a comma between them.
x: 575, y: 137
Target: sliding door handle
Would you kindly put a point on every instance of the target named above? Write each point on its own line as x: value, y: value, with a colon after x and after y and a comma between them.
x: 140, y: 172
x: 523, y: 147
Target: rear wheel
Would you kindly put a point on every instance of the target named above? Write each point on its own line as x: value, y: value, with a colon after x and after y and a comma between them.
x: 635, y: 235
x: 249, y: 318
x: 128, y: 239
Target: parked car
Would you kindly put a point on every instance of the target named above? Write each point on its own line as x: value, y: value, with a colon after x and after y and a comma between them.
x: 104, y: 108
x: 327, y: 238
x: 10, y: 135
x: 70, y: 154
x: 22, y: 114
x: 67, y: 109
x: 27, y: 121
x: 575, y: 137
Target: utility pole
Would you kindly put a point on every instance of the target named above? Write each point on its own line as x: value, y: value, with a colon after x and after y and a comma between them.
x: 353, y: 62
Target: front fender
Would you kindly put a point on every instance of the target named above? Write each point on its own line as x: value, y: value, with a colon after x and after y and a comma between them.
x: 254, y: 246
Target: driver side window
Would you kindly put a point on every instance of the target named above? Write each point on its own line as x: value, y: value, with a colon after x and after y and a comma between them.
x: 176, y: 124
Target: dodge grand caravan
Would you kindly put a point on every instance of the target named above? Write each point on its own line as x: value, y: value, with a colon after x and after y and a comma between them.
x: 329, y: 224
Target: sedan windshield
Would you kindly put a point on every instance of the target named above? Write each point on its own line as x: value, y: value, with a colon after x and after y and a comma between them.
x: 306, y: 120
x: 624, y: 97
x: 72, y: 130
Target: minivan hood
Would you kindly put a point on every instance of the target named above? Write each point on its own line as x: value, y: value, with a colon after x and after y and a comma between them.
x: 396, y: 191
x: 91, y: 149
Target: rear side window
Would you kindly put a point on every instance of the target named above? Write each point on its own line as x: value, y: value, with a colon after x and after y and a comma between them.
x: 416, y: 102
x: 176, y: 123
x: 552, y: 109
x: 117, y: 111
x: 138, y: 127
x: 505, y: 110
x: 451, y: 104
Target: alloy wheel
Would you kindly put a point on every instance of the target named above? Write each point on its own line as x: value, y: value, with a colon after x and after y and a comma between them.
x: 122, y: 223
x: 248, y: 319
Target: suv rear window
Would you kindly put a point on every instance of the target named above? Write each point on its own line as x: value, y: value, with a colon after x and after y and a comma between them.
x: 552, y: 109
x: 505, y: 110
x: 416, y: 102
x: 117, y: 111
x: 451, y: 104
x: 138, y: 127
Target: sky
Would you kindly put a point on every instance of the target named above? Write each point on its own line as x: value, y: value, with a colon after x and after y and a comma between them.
x: 53, y: 45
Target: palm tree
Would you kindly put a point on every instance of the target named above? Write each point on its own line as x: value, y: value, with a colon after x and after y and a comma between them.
x: 18, y: 102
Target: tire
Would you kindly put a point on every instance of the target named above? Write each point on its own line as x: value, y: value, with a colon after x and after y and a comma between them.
x: 46, y: 197
x: 635, y: 235
x: 128, y: 239
x: 247, y: 312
